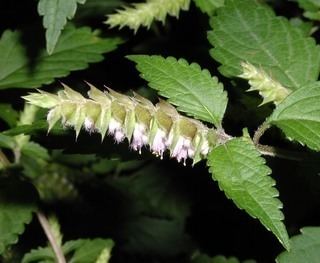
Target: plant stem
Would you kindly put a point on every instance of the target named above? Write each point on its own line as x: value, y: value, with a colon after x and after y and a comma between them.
x: 284, y: 154
x: 47, y: 229
x: 259, y: 132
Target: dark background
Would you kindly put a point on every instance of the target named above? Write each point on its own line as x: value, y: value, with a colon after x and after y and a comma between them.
x: 104, y: 207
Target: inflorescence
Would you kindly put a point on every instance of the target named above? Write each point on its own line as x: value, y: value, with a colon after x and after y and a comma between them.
x: 160, y: 126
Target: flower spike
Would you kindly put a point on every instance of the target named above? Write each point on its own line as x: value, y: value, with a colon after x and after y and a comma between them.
x: 160, y: 126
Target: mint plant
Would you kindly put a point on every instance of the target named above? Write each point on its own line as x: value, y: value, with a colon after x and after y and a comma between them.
x: 238, y: 108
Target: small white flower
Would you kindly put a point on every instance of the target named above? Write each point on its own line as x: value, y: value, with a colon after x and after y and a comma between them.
x: 116, y: 130
x: 139, y: 138
x: 89, y: 125
x: 159, y: 143
x: 205, y: 148
x: 113, y: 126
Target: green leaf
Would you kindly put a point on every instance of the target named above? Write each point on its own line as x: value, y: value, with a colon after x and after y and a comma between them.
x: 83, y: 250
x: 192, y: 90
x: 75, y: 49
x: 8, y: 114
x: 55, y: 14
x: 91, y: 249
x: 143, y: 14
x: 304, y: 247
x: 209, y: 6
x: 7, y: 141
x: 17, y: 202
x: 247, y: 31
x: 35, y: 150
x: 298, y: 116
x: 311, y: 7
x: 43, y: 255
x: 244, y: 177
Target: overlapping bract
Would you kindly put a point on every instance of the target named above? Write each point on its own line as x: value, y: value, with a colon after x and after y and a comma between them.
x: 160, y: 126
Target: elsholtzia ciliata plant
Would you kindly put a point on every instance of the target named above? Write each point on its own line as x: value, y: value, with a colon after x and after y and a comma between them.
x: 227, y: 88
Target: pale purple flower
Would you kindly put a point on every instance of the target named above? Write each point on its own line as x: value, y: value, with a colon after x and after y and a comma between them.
x: 183, y: 149
x: 116, y: 130
x: 158, y: 145
x: 140, y: 137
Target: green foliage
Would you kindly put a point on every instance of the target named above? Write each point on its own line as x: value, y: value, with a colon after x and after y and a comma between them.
x: 304, y: 247
x: 311, y: 7
x: 299, y: 116
x: 246, y: 31
x: 8, y: 114
x: 209, y: 6
x: 55, y: 15
x: 79, y: 251
x: 75, y: 49
x: 17, y: 203
x: 188, y: 87
x: 244, y: 177
x: 143, y: 14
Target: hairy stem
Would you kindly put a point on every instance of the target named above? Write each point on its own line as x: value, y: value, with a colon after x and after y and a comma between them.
x: 284, y: 154
x: 259, y: 132
x: 47, y: 229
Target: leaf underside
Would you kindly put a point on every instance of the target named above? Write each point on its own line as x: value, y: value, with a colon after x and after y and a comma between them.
x: 298, y: 116
x: 247, y: 31
x: 192, y: 90
x: 75, y: 50
x: 242, y: 174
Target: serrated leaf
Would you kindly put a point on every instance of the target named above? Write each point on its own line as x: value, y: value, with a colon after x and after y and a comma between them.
x: 55, y: 14
x: 143, y: 14
x: 311, y: 7
x: 298, y: 116
x: 75, y: 49
x: 192, y: 90
x: 209, y: 6
x: 247, y: 31
x: 242, y: 174
x: 17, y: 202
x: 304, y: 247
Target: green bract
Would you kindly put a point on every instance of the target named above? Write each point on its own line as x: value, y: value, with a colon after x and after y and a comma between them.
x: 134, y: 118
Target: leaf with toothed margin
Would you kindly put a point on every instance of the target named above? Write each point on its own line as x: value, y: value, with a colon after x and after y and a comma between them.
x: 17, y: 202
x: 76, y: 48
x: 55, y: 15
x: 249, y: 31
x: 193, y: 90
x: 298, y: 116
x: 242, y: 174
